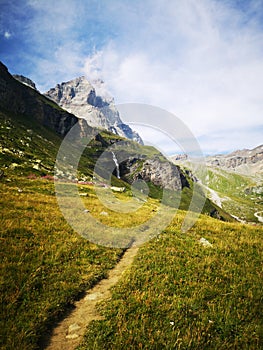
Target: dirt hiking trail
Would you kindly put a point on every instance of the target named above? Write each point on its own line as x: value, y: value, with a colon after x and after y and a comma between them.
x: 70, y: 331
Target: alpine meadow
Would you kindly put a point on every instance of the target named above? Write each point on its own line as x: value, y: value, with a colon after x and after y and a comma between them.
x: 131, y: 175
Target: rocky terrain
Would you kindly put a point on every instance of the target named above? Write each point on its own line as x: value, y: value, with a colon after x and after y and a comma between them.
x: 23, y: 104
x: 161, y: 173
x: 33, y: 127
x: 246, y: 161
x: 92, y: 103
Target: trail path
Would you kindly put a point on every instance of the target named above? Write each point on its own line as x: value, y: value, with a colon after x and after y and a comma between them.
x: 69, y: 332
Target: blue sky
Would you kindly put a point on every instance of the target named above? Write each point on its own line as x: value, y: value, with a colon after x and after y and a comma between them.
x: 201, y: 60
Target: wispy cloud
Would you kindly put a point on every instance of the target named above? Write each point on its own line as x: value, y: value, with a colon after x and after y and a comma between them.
x: 200, y: 60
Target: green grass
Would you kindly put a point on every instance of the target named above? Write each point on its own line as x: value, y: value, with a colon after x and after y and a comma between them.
x: 236, y: 192
x: 180, y: 295
x: 44, y: 264
x: 28, y: 148
x: 29, y: 145
x: 177, y: 294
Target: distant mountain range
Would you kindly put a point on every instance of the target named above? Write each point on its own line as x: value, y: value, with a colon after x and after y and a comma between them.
x: 246, y: 161
x: 234, y: 182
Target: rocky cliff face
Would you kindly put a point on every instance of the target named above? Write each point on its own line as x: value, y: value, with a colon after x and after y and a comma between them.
x: 22, y: 100
x: 248, y: 162
x: 92, y: 103
x: 19, y: 99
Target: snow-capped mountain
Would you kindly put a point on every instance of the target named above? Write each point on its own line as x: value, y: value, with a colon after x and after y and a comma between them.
x: 93, y: 103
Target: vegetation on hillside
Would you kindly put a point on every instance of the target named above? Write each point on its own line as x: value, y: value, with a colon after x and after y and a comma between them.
x: 240, y: 195
x: 45, y: 265
x: 29, y: 148
x: 181, y: 295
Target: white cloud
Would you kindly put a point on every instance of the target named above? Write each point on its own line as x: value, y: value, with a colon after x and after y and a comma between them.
x: 222, y: 141
x: 54, y: 18
x: 201, y: 60
x: 7, y: 34
x: 195, y: 59
x: 159, y: 139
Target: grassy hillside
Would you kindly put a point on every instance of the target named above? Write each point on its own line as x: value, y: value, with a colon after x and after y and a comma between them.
x: 240, y: 195
x: 181, y: 295
x: 28, y: 147
x: 44, y: 264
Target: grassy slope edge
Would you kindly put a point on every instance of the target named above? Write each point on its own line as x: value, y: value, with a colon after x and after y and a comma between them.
x: 241, y: 195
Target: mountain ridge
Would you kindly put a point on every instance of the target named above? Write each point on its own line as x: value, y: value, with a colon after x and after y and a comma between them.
x: 27, y: 101
x: 245, y: 161
x: 25, y: 81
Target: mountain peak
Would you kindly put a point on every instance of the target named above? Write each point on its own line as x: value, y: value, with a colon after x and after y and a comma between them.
x: 92, y: 102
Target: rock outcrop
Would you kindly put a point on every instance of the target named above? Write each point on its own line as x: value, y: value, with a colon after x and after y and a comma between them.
x: 25, y: 81
x: 163, y: 174
x: 92, y: 103
x: 156, y: 170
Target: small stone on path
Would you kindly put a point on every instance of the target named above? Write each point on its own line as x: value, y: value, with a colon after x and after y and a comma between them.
x: 93, y: 296
x: 72, y: 336
x: 73, y: 328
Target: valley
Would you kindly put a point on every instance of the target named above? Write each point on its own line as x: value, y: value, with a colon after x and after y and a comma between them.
x: 234, y: 182
x: 241, y: 195
x: 199, y: 289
